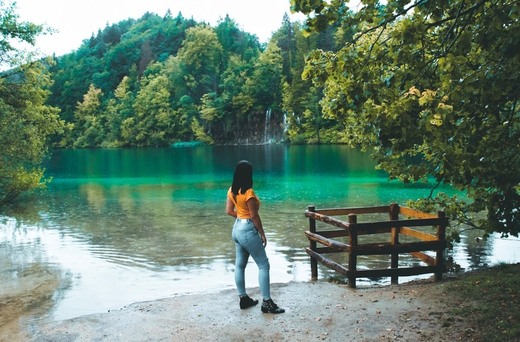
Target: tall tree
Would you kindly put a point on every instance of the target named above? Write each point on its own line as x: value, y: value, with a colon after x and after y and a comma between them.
x: 432, y: 88
x: 118, y: 109
x: 200, y: 58
x: 154, y: 122
x: 303, y: 120
x: 25, y: 121
x: 237, y: 101
x: 88, y: 125
x: 267, y: 79
x: 265, y: 88
x: 285, y: 38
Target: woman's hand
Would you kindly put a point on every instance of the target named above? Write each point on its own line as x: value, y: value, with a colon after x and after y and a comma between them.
x: 264, y: 239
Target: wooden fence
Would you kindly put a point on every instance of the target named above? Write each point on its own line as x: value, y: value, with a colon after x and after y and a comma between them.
x: 421, y: 241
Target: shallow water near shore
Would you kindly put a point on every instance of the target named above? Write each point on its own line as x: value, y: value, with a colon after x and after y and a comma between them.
x: 116, y: 227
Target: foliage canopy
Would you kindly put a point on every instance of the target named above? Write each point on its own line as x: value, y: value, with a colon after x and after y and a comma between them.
x: 25, y: 121
x: 431, y: 88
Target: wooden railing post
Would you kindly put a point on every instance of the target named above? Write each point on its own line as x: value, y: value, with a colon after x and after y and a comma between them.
x: 439, y: 257
x: 352, y: 257
x: 394, y: 263
x: 312, y: 245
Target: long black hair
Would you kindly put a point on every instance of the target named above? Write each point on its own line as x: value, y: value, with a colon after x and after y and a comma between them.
x: 242, y: 178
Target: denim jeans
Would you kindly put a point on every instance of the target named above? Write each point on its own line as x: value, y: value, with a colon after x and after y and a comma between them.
x: 248, y: 242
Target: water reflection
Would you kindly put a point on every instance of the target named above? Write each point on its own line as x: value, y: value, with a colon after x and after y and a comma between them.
x: 127, y: 225
x: 31, y: 283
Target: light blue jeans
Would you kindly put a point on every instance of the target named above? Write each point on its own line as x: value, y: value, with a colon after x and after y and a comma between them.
x: 248, y: 242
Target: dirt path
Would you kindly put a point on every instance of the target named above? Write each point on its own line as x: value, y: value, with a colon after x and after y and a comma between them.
x: 314, y: 311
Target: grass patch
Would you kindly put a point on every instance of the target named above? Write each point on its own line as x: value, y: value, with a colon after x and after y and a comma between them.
x: 489, y: 301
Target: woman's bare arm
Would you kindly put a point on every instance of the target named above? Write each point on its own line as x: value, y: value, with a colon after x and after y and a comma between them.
x: 230, y: 208
x: 253, y: 206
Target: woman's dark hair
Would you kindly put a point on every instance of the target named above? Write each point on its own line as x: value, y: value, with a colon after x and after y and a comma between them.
x: 242, y: 178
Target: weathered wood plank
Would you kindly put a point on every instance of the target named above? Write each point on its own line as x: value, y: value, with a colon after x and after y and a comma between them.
x: 429, y: 260
x: 378, y: 226
x: 327, y: 250
x: 353, y: 210
x: 327, y: 219
x: 341, y: 233
x: 415, y: 213
x: 327, y: 262
x: 369, y: 226
x: 387, y: 248
x: 417, y: 234
x: 328, y: 242
x: 333, y: 233
x: 389, y: 272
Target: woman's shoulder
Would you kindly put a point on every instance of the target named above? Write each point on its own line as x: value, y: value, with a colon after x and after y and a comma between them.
x: 247, y: 194
x: 250, y: 193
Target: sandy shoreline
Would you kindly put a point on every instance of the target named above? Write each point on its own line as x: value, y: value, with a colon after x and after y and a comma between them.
x: 414, y: 311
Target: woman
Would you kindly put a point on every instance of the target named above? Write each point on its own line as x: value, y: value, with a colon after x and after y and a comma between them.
x: 249, y: 237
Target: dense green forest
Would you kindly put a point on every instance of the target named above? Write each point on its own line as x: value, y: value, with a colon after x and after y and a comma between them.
x: 156, y: 81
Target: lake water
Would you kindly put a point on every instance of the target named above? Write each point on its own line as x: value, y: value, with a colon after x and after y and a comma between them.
x: 126, y: 225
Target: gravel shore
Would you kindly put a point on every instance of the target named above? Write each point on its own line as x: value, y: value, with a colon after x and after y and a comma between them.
x: 414, y: 311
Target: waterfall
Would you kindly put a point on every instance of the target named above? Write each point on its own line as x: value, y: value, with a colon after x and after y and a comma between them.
x: 267, y: 127
x: 285, y: 123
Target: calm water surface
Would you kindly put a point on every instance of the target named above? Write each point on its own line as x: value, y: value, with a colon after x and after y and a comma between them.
x: 127, y: 225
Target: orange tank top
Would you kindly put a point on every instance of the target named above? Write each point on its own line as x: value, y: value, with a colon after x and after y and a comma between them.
x: 240, y: 202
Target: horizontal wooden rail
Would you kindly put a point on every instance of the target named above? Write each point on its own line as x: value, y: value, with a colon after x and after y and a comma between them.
x: 429, y: 260
x: 388, y: 272
x: 384, y: 272
x: 328, y: 242
x: 327, y: 262
x: 359, y: 210
x: 326, y: 250
x: 378, y: 226
x: 371, y: 226
x: 334, y: 233
x: 327, y: 219
x: 415, y: 213
x: 387, y: 248
x: 417, y: 234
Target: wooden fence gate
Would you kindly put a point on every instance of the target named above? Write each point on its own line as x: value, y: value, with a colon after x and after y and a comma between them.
x: 422, y: 241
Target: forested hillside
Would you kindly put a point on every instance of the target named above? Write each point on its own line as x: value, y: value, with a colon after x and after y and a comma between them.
x: 156, y: 81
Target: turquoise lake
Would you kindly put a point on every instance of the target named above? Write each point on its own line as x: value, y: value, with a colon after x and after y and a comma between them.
x: 127, y: 225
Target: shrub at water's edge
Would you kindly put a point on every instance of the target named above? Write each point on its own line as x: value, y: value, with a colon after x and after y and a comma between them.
x: 26, y: 122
